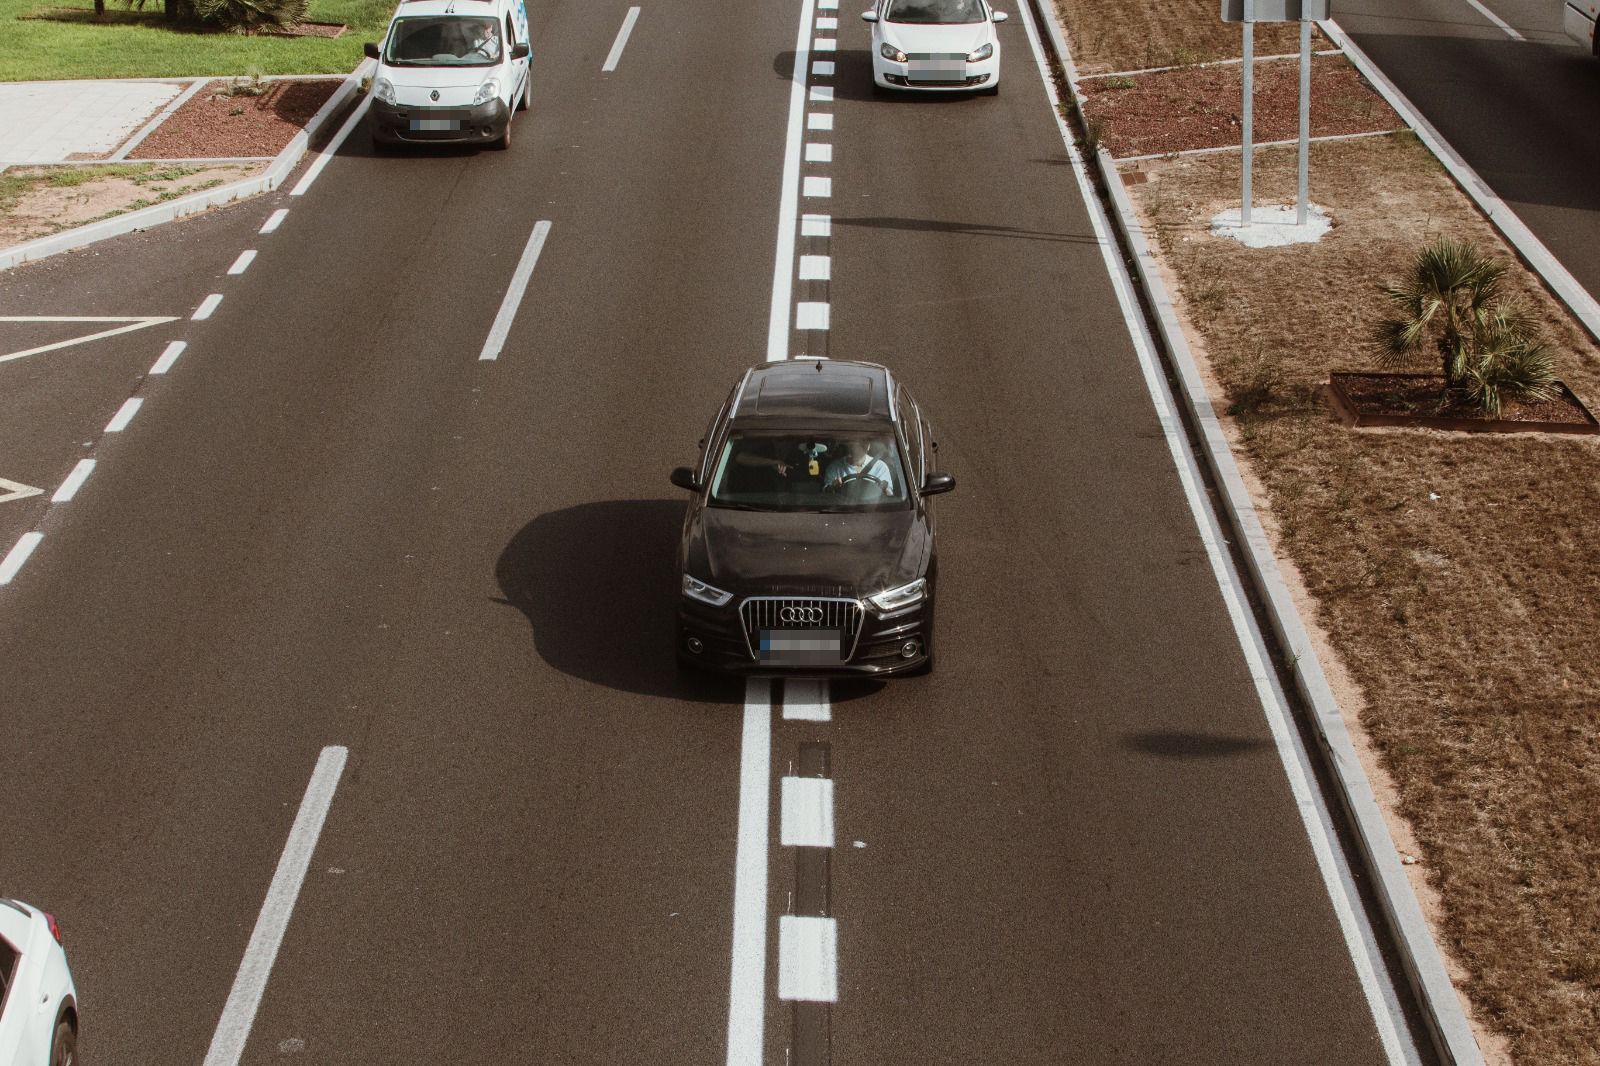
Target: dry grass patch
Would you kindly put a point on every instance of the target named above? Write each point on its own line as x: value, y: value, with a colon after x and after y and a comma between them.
x: 1456, y: 575
x: 1122, y: 36
x: 42, y: 201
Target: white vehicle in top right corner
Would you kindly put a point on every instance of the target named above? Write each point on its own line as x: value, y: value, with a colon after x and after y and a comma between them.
x: 38, y: 1003
x: 935, y: 45
x: 1578, y: 19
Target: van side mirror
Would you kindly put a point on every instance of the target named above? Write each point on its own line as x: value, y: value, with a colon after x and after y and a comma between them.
x: 937, y: 483
x: 520, y: 50
x: 1000, y: 16
x: 869, y: 16
x: 683, y: 477
x: 371, y: 50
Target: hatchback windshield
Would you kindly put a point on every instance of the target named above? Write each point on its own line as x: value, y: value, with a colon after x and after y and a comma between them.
x: 768, y: 471
x: 444, y: 41
x: 936, y: 12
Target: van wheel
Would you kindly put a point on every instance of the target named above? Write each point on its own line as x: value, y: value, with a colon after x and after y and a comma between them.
x: 503, y: 142
x: 522, y: 101
x: 64, y: 1048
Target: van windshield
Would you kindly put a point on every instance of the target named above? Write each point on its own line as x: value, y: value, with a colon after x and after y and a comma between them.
x: 444, y: 41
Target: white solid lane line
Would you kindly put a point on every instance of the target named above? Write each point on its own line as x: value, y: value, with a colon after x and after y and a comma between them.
x: 207, y: 306
x: 169, y: 357
x: 239, y: 1013
x: 622, y: 40
x: 748, y: 982
x: 1250, y: 640
x: 124, y: 415
x: 788, y: 203
x: 18, y: 555
x: 1497, y: 20
x: 241, y: 264
x: 807, y: 812
x: 808, y: 959
x: 69, y: 488
x: 333, y: 146
x: 513, y: 297
x: 275, y: 220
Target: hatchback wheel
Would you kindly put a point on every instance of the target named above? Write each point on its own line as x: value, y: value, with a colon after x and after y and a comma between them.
x: 64, y: 1048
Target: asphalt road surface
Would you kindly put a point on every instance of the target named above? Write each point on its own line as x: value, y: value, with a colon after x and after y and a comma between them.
x: 1517, y: 100
x: 339, y: 573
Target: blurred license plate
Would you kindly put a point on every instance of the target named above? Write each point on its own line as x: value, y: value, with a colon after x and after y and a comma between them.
x: 800, y: 647
x: 938, y: 70
x: 435, y: 123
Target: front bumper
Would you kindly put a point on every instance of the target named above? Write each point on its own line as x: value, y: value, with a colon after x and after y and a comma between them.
x: 715, y: 638
x: 405, y: 124
x: 892, y: 75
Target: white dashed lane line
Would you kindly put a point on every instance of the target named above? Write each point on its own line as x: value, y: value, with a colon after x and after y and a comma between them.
x: 69, y: 488
x: 816, y: 225
x: 815, y: 268
x: 241, y: 264
x: 810, y: 315
x: 817, y: 152
x: 18, y: 555
x: 622, y: 41
x: 807, y: 811
x: 124, y: 415
x: 513, y: 296
x: 275, y: 220
x: 169, y: 357
x: 808, y: 959
x: 818, y: 188
x: 819, y: 121
x: 207, y: 307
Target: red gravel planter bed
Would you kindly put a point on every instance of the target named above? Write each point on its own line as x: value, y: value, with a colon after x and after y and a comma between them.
x: 1414, y: 400
x: 1198, y: 107
x: 213, y: 124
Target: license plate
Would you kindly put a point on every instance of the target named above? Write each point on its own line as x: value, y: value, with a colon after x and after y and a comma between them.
x: 938, y: 70
x: 435, y: 123
x: 800, y: 647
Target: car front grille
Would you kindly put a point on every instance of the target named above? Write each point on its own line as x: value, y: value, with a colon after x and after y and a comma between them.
x: 815, y: 612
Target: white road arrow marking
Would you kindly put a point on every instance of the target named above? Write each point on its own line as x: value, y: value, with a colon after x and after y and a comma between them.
x: 130, y: 323
x: 16, y: 490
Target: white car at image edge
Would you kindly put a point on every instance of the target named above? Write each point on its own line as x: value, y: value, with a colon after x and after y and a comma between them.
x: 38, y: 1003
x: 935, y: 45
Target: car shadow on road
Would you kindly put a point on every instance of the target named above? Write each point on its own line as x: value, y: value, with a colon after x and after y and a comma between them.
x: 852, y: 80
x: 1181, y: 744
x: 972, y: 229
x: 595, y: 583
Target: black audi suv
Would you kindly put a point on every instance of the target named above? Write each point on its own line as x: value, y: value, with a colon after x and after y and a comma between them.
x: 808, y: 545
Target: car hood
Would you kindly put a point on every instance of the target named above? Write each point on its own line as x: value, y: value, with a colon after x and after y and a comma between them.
x: 963, y: 38
x: 760, y: 553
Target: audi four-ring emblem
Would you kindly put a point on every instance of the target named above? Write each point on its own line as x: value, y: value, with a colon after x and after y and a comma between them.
x: 801, y: 615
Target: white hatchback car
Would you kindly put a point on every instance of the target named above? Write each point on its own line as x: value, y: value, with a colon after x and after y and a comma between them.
x: 939, y: 45
x: 38, y: 1003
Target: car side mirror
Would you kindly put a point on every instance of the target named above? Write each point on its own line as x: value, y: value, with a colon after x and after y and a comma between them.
x: 683, y: 477
x: 869, y: 16
x: 1000, y: 16
x: 937, y: 483
x: 371, y: 50
x: 520, y: 50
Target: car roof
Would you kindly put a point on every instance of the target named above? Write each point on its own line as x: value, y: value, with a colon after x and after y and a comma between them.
x: 803, y: 390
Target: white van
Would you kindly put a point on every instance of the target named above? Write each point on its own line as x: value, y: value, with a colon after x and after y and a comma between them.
x: 450, y: 71
x: 1578, y: 19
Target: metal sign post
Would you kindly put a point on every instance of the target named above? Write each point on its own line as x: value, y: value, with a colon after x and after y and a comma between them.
x: 1248, y: 13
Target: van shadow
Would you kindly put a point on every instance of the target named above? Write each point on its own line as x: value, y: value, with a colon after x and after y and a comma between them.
x: 852, y: 80
x: 595, y: 583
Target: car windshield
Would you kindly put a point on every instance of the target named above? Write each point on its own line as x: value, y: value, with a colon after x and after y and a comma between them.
x: 823, y: 472
x: 936, y: 12
x: 444, y: 41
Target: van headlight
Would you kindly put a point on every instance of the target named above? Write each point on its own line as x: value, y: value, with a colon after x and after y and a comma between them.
x: 696, y: 589
x: 383, y: 89
x: 487, y: 91
x: 904, y: 596
x: 983, y: 52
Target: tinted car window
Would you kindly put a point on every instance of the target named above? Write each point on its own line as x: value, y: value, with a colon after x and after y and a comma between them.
x: 935, y: 12
x: 8, y: 968
x: 787, y: 471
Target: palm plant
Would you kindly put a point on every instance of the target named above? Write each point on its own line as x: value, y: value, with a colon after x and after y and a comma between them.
x: 1452, y: 305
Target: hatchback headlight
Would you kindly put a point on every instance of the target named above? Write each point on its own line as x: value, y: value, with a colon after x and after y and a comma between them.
x: 696, y: 589
x: 983, y: 52
x: 487, y: 91
x: 383, y: 89
x: 904, y: 596
x: 891, y: 53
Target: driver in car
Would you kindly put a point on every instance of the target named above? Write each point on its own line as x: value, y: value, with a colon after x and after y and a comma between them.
x: 856, y: 463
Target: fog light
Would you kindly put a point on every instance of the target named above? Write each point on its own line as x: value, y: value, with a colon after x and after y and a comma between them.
x: 695, y: 645
x: 909, y: 649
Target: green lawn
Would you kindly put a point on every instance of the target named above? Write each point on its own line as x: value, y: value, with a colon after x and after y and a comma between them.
x: 67, y: 43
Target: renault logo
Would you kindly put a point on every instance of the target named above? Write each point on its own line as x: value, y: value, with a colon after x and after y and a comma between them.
x: 434, y: 95
x: 811, y: 616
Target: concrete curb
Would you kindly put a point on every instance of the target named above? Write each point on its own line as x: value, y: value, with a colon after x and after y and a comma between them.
x: 1582, y: 305
x: 149, y: 217
x: 1447, y: 1023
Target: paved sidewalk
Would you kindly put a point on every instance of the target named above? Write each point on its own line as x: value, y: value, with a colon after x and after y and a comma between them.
x: 65, y: 121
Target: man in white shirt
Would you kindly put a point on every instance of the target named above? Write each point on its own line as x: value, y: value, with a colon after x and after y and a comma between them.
x: 857, y: 462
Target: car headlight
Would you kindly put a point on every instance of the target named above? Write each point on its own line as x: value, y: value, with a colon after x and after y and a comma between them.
x: 890, y: 52
x: 487, y: 91
x: 696, y: 589
x: 383, y: 89
x: 904, y: 596
x: 984, y: 52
